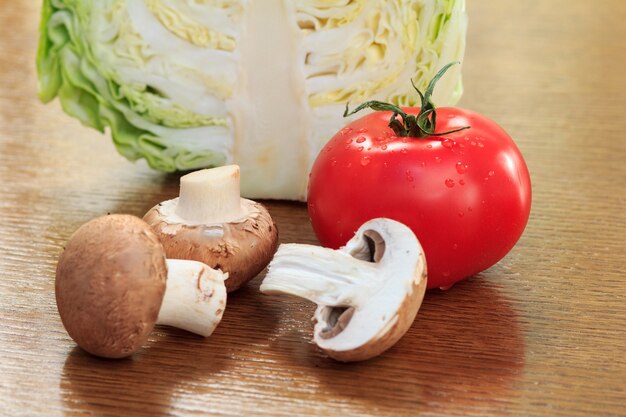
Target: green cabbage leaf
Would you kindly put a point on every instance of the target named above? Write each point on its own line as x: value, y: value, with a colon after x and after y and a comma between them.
x: 187, y: 84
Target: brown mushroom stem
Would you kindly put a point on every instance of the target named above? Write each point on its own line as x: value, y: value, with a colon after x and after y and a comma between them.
x: 210, y: 196
x: 195, y: 297
x: 321, y: 275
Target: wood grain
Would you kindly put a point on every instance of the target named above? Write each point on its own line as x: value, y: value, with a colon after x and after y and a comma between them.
x: 542, y: 333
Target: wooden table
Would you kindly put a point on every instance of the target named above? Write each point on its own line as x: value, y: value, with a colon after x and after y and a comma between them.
x: 541, y: 333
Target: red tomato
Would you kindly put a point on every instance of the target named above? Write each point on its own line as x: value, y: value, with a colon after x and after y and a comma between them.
x: 466, y: 195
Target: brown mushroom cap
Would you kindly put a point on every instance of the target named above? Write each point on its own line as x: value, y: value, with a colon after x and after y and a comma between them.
x: 110, y: 282
x: 242, y: 248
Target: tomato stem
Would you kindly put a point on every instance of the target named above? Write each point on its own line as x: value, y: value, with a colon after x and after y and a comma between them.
x: 419, y: 126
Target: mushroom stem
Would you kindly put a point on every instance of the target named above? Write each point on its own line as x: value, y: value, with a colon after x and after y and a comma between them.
x: 323, y: 276
x: 210, y: 196
x: 195, y: 297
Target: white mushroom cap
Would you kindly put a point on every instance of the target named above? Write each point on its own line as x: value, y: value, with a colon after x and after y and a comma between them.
x: 368, y: 292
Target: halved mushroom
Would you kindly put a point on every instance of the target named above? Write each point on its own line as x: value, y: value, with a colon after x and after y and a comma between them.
x: 113, y: 285
x: 212, y: 224
x: 368, y: 292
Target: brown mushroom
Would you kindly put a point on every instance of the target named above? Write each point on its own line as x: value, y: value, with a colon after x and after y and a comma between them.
x: 112, y: 286
x: 368, y: 292
x: 212, y: 224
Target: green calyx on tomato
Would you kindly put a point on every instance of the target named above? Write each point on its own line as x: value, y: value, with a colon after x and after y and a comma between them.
x: 415, y: 126
x: 464, y: 192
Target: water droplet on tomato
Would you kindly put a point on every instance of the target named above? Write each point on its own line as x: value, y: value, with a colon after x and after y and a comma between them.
x: 422, y: 164
x: 328, y: 149
x: 461, y: 168
x: 365, y: 161
x: 385, y: 164
x: 349, y: 165
x: 461, y: 182
x: 492, y: 173
x: 360, y: 139
x: 346, y: 130
x: 362, y: 130
x: 437, y: 159
x: 481, y: 145
x: 429, y: 146
x: 449, y: 183
x: 448, y: 143
x: 461, y: 214
x: 473, y: 143
x: 384, y: 147
x: 360, y: 148
x: 409, y: 176
x: 405, y: 140
x: 333, y: 163
x: 403, y: 151
x: 348, y: 141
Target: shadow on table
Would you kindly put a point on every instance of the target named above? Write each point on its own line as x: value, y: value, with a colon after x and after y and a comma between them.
x: 172, y: 363
x: 140, y: 385
x: 466, y: 346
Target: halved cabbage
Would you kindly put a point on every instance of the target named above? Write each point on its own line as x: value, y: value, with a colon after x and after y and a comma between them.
x: 187, y: 84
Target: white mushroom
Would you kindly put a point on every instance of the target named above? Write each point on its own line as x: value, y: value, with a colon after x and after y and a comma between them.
x: 113, y: 284
x: 368, y: 292
x: 209, y: 222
